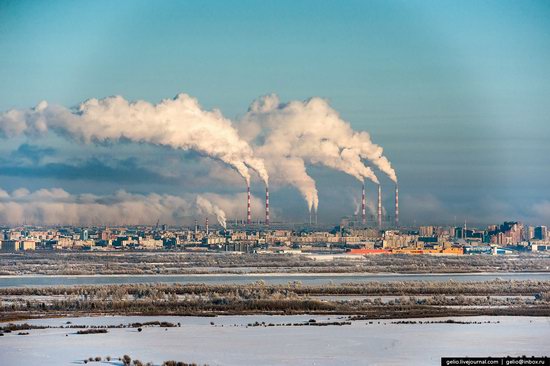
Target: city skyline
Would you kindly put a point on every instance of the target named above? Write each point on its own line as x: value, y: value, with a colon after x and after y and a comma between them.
x: 461, y: 115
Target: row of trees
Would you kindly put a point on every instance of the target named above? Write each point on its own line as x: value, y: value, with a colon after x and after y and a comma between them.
x: 405, y: 298
x: 260, y: 289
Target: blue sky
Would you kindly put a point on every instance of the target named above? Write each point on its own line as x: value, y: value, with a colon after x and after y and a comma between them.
x: 455, y: 91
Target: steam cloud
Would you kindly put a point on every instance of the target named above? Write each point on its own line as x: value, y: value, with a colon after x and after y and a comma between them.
x: 286, y: 135
x: 208, y: 207
x: 277, y: 137
x: 179, y: 123
x: 56, y: 206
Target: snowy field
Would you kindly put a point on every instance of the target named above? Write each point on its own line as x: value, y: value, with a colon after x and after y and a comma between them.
x: 235, y: 344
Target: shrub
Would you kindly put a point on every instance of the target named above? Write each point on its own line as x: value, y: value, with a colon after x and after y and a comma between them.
x: 91, y: 331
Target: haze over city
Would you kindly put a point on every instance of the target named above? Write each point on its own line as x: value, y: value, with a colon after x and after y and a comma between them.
x: 461, y: 115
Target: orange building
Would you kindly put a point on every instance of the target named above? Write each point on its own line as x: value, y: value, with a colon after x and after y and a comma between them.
x: 412, y: 251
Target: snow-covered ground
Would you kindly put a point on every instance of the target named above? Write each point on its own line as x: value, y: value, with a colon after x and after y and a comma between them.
x: 235, y: 344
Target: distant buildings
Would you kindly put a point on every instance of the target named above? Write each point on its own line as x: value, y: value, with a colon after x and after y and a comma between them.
x: 426, y: 230
x: 506, y: 238
x: 540, y: 233
x: 84, y: 235
x: 17, y: 245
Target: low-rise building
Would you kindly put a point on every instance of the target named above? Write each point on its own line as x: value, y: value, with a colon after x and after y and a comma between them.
x: 17, y: 245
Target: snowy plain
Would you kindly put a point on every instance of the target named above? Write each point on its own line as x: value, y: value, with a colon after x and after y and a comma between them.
x: 236, y: 344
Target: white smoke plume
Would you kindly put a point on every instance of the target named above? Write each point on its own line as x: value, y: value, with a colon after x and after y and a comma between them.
x: 285, y: 136
x: 56, y: 206
x: 323, y: 136
x: 312, y: 132
x: 179, y: 123
x: 235, y: 205
x: 208, y: 208
x: 357, y: 205
x: 292, y: 170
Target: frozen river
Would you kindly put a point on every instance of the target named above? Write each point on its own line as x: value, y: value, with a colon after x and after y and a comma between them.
x: 235, y: 344
x: 311, y: 279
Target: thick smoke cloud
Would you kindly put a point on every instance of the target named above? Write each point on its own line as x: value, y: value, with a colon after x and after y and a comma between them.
x: 286, y: 135
x: 279, y: 138
x: 179, y: 123
x: 56, y: 206
x: 206, y: 207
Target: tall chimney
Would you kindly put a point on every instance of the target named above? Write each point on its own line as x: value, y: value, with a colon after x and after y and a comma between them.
x: 310, y: 217
x: 196, y: 227
x: 315, y: 217
x: 396, y: 206
x: 379, y: 206
x: 363, y: 206
x: 266, y: 205
x: 248, y: 212
x: 207, y: 228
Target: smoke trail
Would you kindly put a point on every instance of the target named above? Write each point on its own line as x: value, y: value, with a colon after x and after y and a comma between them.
x: 287, y: 135
x: 208, y: 208
x: 357, y: 205
x: 373, y: 153
x: 293, y: 171
x: 284, y: 168
x: 178, y: 123
x: 313, y: 131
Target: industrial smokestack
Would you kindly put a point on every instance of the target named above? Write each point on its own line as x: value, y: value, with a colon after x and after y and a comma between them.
x: 196, y: 227
x: 207, y: 228
x: 363, y: 206
x: 266, y: 205
x: 396, y: 206
x: 248, y: 211
x: 310, y: 217
x: 379, y: 206
x: 315, y: 217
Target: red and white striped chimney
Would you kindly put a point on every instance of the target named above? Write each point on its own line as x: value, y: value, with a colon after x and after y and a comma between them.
x: 266, y: 205
x: 396, y: 206
x: 248, y: 211
x: 379, y: 206
x: 363, y: 206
